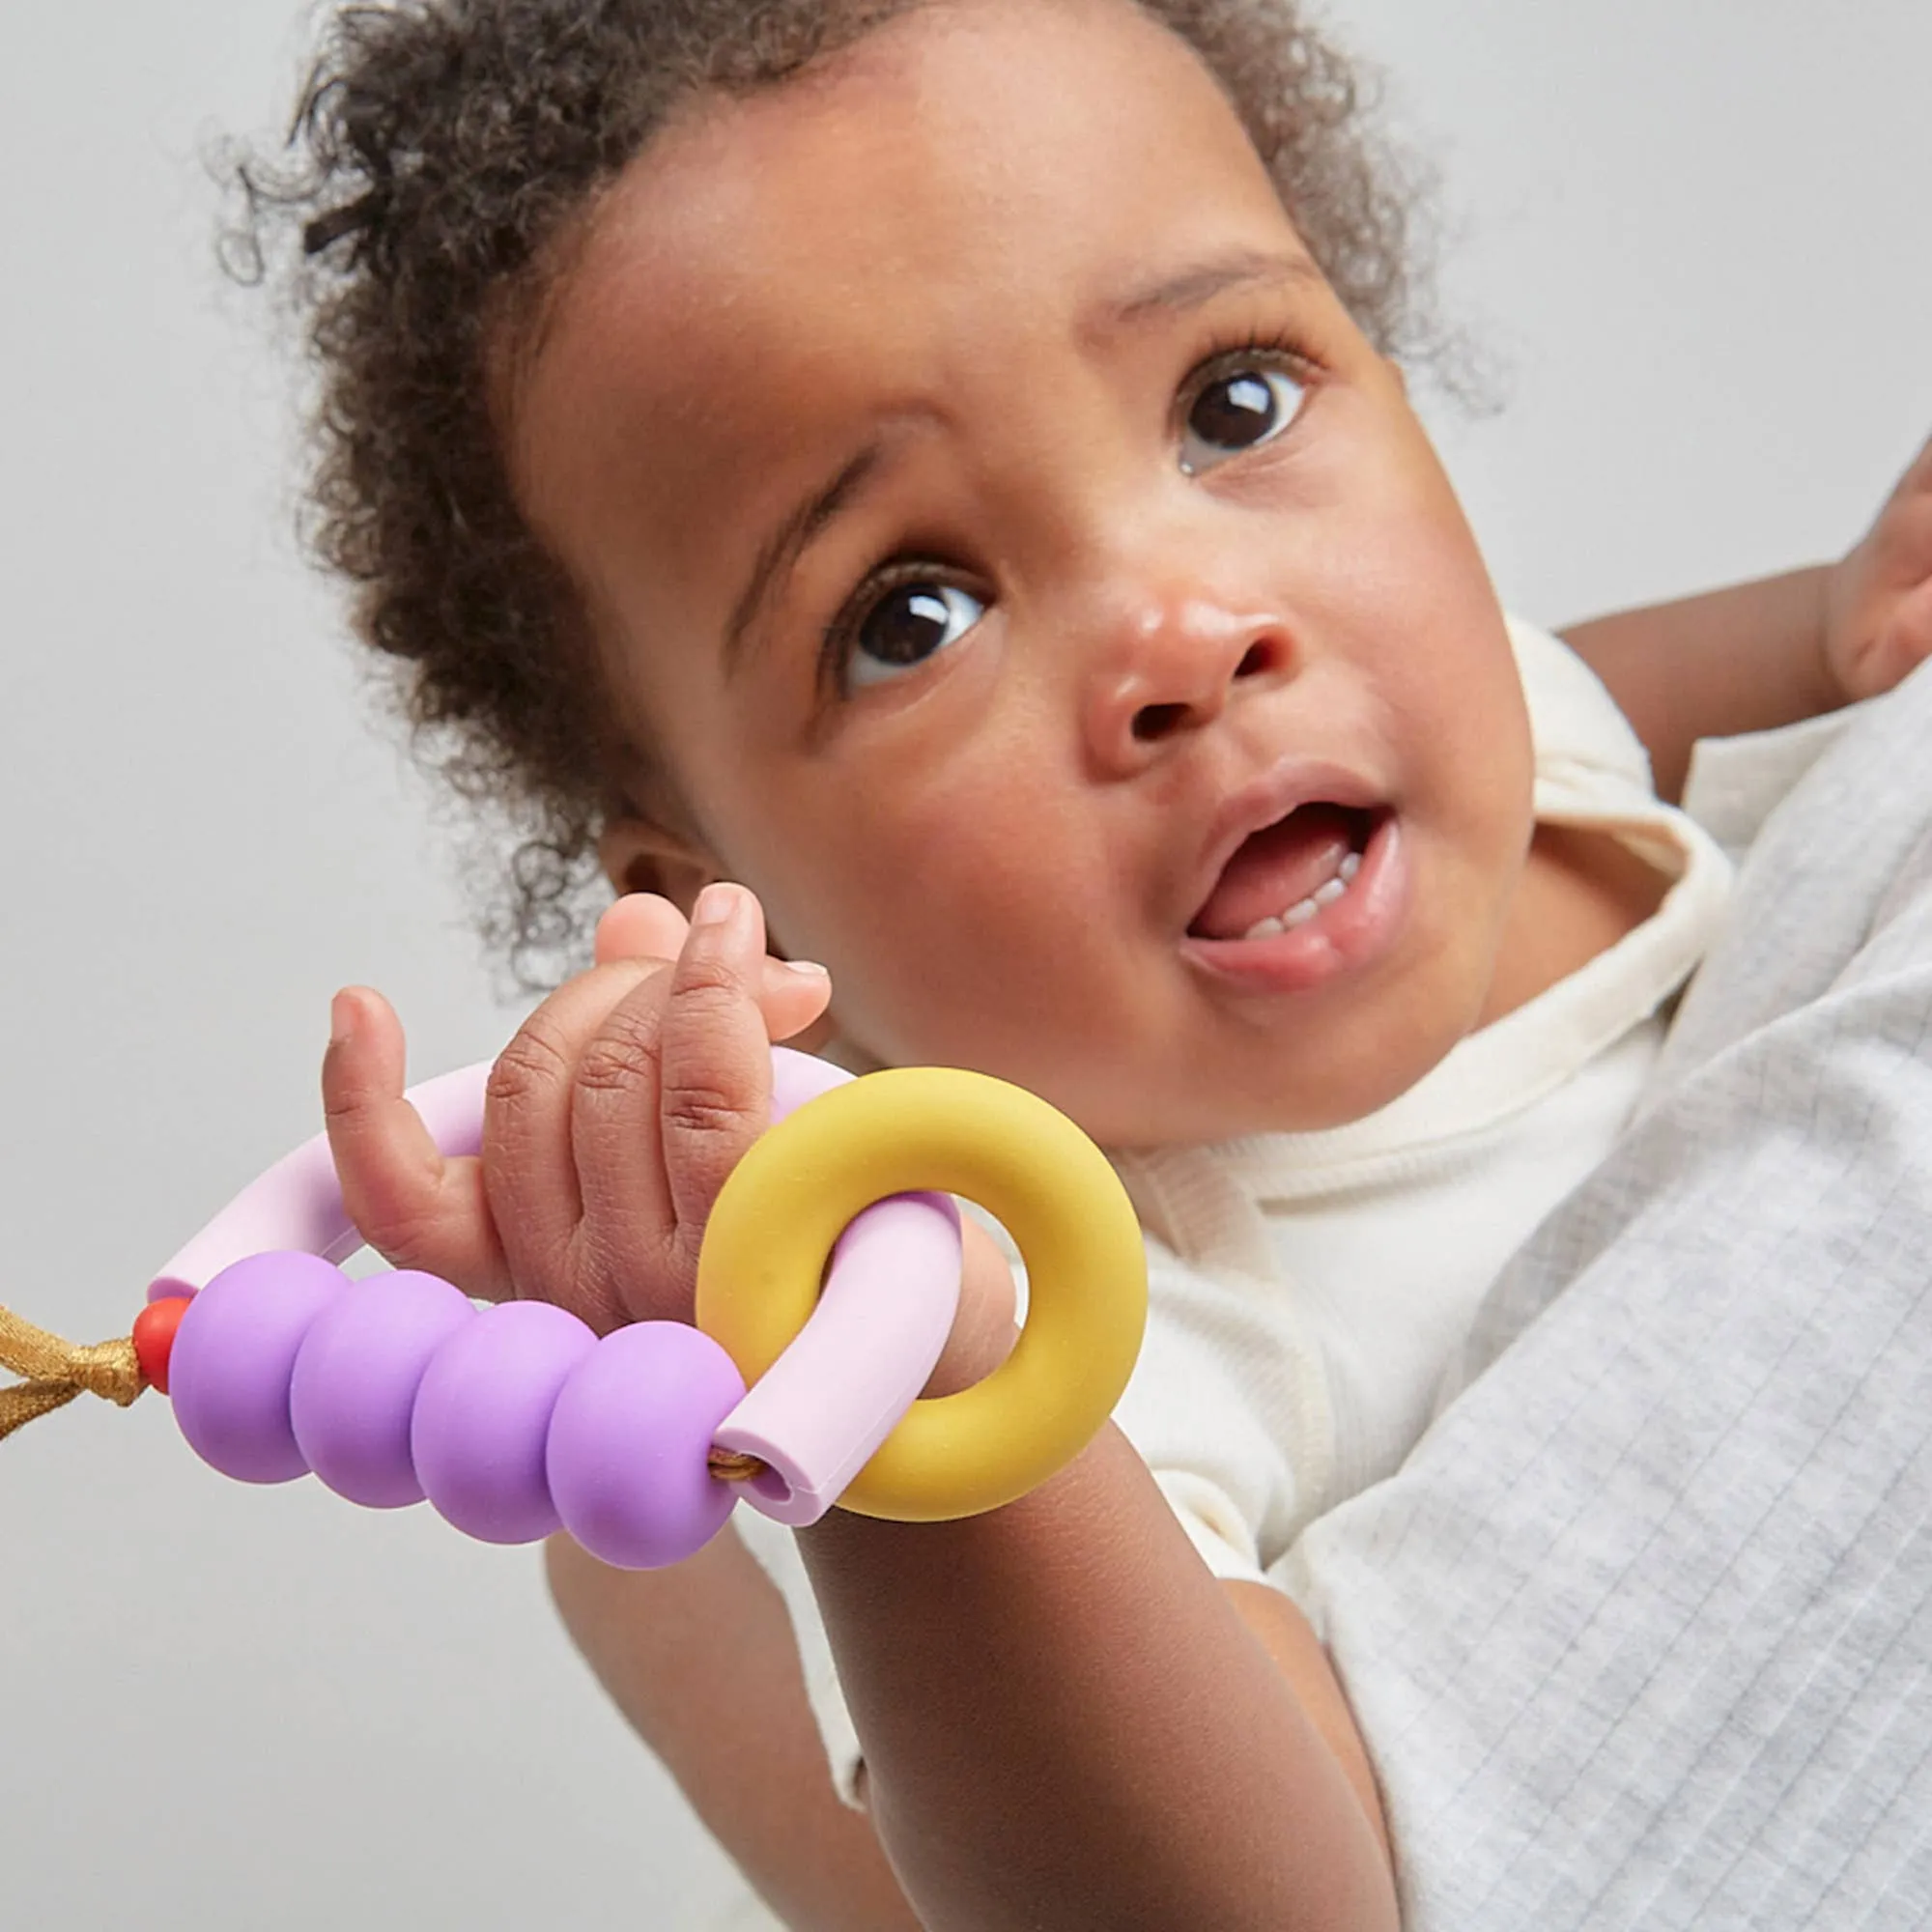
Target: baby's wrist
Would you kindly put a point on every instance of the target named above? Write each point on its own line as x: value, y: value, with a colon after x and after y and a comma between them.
x: 1833, y: 596
x: 983, y: 1332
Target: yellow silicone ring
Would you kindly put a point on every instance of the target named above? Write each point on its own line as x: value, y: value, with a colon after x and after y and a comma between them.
x: 929, y: 1128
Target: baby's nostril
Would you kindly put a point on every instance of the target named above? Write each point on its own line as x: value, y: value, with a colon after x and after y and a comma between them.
x: 1156, y: 721
x: 1153, y: 722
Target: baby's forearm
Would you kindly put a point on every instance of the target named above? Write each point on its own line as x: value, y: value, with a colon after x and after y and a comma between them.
x: 1067, y: 1723
x: 1747, y: 658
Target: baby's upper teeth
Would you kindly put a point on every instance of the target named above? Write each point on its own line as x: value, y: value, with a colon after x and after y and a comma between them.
x: 1303, y: 910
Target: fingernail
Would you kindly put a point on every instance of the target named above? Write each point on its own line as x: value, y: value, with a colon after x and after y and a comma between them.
x: 720, y: 904
x: 341, y: 1019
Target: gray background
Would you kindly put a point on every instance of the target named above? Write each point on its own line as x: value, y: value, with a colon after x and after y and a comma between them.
x: 1693, y: 242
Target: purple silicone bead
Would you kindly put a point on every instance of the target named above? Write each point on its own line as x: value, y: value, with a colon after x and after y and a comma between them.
x: 628, y: 1444
x: 482, y: 1418
x: 228, y: 1375
x: 353, y: 1394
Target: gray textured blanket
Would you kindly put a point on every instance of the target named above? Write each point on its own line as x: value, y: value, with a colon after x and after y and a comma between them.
x: 1640, y: 1635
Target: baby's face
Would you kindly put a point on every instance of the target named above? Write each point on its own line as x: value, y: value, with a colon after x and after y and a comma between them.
x: 1038, y: 588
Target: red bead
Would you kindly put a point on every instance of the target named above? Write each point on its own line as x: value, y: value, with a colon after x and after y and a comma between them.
x: 155, y: 1337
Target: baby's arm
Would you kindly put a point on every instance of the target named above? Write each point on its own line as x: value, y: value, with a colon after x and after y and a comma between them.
x: 1066, y: 1720
x: 1069, y: 1721
x: 1770, y: 652
x: 700, y: 1660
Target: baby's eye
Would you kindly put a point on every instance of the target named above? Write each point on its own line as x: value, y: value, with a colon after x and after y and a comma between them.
x: 908, y: 624
x: 1240, y: 408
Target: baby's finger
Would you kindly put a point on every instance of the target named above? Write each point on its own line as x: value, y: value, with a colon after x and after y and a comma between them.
x: 629, y: 1218
x: 529, y: 1165
x: 627, y: 1236
x: 1902, y: 531
x: 714, y: 1055
x: 413, y: 1205
x: 640, y: 926
x: 791, y: 994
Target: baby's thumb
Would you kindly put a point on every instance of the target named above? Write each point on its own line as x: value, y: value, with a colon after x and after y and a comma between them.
x: 415, y: 1207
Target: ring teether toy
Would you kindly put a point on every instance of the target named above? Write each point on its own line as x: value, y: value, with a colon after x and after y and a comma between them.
x: 518, y: 1419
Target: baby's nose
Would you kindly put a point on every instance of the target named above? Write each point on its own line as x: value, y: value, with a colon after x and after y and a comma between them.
x: 1169, y: 666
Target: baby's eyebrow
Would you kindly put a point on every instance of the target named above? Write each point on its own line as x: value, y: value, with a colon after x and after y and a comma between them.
x: 780, y: 550
x: 1193, y: 286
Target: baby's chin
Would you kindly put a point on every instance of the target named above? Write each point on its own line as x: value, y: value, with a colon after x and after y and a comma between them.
x: 1276, y: 1093
x: 1188, y: 1091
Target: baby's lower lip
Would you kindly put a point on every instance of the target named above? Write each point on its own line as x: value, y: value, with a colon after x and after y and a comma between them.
x: 1352, y: 932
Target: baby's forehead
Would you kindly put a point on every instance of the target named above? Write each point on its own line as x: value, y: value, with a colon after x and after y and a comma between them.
x: 957, y: 170
x: 939, y: 236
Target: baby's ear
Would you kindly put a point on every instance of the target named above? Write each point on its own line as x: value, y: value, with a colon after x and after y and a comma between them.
x: 641, y: 856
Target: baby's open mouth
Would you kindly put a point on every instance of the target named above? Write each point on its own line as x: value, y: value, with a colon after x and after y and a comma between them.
x: 1283, y: 875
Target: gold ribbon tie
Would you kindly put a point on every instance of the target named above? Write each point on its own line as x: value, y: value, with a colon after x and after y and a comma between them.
x: 58, y: 1371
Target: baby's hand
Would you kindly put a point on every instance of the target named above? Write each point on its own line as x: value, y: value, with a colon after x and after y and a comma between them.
x: 612, y: 1119
x: 1878, y: 601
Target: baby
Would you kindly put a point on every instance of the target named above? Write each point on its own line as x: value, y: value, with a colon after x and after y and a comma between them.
x: 937, y: 466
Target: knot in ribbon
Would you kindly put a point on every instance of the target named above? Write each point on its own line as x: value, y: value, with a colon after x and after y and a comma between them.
x: 58, y: 1371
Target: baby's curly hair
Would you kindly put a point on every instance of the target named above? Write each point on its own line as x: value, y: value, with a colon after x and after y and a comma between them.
x: 443, y: 154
